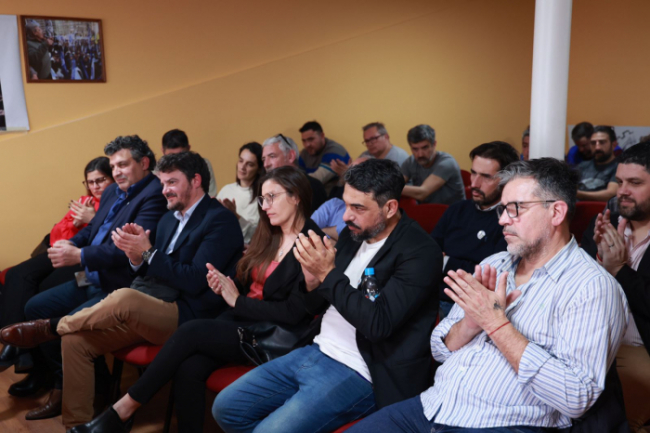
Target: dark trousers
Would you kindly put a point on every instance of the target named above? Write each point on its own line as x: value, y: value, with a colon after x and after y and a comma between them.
x: 195, y: 350
x: 25, y: 280
x: 60, y: 301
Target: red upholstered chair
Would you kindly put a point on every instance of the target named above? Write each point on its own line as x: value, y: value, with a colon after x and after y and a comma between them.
x: 467, y: 177
x: 3, y: 274
x: 468, y: 192
x: 224, y: 376
x: 427, y: 215
x: 585, y: 211
x: 345, y: 427
x: 407, y: 203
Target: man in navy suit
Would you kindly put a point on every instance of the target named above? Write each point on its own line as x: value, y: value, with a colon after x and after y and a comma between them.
x: 170, y: 288
x: 136, y: 196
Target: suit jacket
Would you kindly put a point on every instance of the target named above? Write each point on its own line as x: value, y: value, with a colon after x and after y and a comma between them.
x: 212, y: 235
x: 284, y: 289
x: 144, y: 208
x: 636, y: 284
x: 393, y: 332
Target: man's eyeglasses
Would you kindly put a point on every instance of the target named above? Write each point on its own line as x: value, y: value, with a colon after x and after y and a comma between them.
x: 91, y: 183
x: 268, y: 198
x: 512, y: 208
x: 371, y: 140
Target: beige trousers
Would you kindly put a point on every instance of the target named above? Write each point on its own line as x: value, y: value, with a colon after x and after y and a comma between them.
x: 633, y: 366
x: 123, y: 318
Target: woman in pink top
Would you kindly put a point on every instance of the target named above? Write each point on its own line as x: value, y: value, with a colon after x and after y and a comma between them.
x: 267, y: 287
x: 37, y: 274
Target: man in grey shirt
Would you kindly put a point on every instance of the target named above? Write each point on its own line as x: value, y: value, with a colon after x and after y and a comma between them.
x: 598, y: 175
x: 432, y: 176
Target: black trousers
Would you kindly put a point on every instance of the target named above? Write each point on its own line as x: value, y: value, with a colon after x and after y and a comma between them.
x: 27, y: 279
x: 195, y: 350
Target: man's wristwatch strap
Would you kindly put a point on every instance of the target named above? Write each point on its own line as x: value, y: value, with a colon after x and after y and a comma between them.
x: 146, y: 255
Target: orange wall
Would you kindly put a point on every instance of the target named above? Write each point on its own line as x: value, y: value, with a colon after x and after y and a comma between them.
x: 232, y: 73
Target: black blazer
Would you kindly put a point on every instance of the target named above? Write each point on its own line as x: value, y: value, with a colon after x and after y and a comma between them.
x: 283, y: 301
x: 636, y: 284
x: 212, y: 235
x: 393, y: 332
x: 144, y: 208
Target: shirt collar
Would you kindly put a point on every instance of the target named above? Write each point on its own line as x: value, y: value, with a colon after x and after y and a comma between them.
x: 188, y: 213
x: 556, y: 266
x: 135, y: 188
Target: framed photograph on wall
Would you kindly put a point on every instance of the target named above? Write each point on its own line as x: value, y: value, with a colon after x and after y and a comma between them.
x: 63, y: 50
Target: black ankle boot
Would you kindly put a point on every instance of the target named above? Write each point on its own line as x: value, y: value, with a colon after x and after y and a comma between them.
x: 30, y: 385
x: 107, y: 422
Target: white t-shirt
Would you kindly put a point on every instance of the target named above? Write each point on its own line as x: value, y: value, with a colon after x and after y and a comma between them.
x: 338, y: 338
x: 249, y: 215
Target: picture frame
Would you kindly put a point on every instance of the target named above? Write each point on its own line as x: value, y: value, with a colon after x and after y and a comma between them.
x: 63, y: 50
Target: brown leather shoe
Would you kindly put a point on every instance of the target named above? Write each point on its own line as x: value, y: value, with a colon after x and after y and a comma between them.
x: 51, y: 409
x: 28, y: 334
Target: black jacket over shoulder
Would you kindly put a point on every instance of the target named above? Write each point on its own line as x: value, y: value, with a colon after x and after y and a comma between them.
x: 393, y: 332
x: 636, y: 284
x: 283, y: 300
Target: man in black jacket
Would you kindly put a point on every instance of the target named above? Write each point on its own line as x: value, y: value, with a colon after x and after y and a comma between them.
x: 620, y: 245
x: 369, y: 353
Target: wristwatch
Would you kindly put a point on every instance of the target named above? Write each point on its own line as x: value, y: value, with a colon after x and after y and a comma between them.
x: 146, y: 255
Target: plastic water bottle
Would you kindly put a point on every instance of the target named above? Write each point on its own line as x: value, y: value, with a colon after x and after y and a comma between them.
x: 369, y: 286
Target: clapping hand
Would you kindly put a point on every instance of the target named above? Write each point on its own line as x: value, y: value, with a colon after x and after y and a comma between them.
x: 222, y: 285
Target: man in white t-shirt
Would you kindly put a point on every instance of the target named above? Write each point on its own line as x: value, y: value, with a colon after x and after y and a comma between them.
x: 369, y: 353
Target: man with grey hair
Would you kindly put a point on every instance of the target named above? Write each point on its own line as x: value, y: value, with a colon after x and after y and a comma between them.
x: 279, y: 151
x: 542, y: 320
x: 38, y: 47
x: 432, y: 176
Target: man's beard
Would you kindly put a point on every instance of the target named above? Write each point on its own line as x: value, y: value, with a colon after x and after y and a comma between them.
x: 531, y: 249
x: 633, y: 211
x: 180, y: 202
x: 601, y: 156
x: 368, y: 233
x: 487, y: 200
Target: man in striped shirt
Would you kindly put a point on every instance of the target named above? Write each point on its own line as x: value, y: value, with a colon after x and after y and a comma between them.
x: 529, y: 342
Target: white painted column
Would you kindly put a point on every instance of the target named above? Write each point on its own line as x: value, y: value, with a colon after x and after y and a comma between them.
x: 550, y: 78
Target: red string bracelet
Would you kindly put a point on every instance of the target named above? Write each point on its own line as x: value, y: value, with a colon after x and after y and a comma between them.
x: 598, y: 257
x: 490, y: 334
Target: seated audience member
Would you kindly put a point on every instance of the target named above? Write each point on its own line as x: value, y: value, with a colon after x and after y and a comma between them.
x: 525, y: 145
x: 469, y: 230
x: 37, y: 274
x: 581, y: 151
x: 175, y: 141
x: 598, y: 175
x: 529, y: 342
x: 280, y: 151
x: 621, y: 246
x: 267, y: 288
x: 135, y: 197
x: 370, y: 351
x: 170, y: 288
x: 432, y: 176
x: 318, y: 153
x: 329, y: 217
x: 240, y: 197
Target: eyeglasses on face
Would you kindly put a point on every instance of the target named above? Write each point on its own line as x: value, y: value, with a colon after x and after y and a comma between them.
x: 268, y: 198
x: 512, y: 208
x: 371, y: 140
x: 91, y: 183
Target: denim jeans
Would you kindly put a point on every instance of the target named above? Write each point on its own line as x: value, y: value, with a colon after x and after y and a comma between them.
x: 62, y: 300
x: 408, y: 417
x: 304, y: 391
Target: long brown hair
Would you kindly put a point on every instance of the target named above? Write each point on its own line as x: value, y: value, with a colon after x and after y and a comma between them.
x: 266, y: 239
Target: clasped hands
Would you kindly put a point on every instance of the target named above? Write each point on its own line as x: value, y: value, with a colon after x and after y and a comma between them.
x: 82, y: 212
x: 64, y: 253
x: 483, y: 300
x: 222, y: 285
x: 316, y: 257
x: 133, y: 240
x: 610, y: 241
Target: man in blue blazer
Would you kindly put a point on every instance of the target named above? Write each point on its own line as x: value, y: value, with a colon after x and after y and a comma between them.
x: 170, y: 287
x: 136, y: 196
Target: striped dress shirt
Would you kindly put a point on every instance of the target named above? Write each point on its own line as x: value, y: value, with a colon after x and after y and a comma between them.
x: 574, y: 315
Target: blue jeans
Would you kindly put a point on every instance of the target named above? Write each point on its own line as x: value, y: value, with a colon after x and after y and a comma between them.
x: 444, y: 309
x: 62, y: 300
x: 304, y: 391
x: 408, y: 416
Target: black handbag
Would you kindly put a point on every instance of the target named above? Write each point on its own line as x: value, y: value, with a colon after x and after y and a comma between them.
x: 264, y: 341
